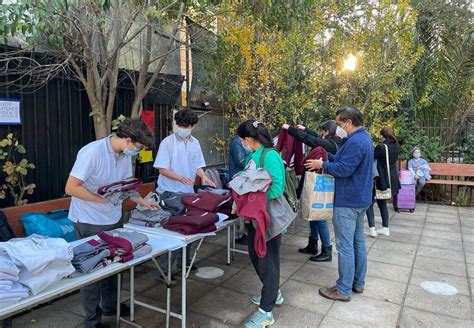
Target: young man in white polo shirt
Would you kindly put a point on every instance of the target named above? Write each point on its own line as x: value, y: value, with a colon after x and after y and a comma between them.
x: 99, y: 163
x: 180, y: 160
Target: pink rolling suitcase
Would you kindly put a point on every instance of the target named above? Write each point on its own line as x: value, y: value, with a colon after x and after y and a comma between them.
x: 406, y: 198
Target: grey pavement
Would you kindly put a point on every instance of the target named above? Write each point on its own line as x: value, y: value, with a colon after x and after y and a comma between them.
x: 435, y: 243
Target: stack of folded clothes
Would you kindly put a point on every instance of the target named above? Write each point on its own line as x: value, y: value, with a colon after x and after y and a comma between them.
x: 10, y: 290
x: 41, y: 261
x: 200, y: 216
x: 148, y: 218
x: 119, y: 245
x: 118, y: 191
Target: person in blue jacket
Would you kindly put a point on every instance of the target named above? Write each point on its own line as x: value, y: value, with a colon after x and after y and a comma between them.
x: 352, y: 170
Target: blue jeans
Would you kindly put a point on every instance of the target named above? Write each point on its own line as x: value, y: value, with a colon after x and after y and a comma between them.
x: 320, y: 228
x: 350, y: 244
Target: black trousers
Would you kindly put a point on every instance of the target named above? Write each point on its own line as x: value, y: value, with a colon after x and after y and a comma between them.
x: 267, y: 268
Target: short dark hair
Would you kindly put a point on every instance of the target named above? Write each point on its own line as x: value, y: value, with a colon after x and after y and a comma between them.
x: 257, y: 131
x: 136, y: 130
x: 350, y: 113
x: 186, y: 117
x: 330, y: 127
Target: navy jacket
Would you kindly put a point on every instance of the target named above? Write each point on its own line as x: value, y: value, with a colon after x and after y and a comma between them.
x: 237, y: 156
x: 352, y: 169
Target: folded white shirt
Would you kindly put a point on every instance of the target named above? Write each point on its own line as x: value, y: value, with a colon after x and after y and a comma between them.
x: 5, y: 285
x: 7, y: 266
x: 52, y: 273
x: 35, y: 252
x: 6, y: 276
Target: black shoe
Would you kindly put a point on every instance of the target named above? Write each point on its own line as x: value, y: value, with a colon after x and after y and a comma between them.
x: 124, y: 312
x: 244, y: 240
x: 325, y: 256
x: 312, y: 247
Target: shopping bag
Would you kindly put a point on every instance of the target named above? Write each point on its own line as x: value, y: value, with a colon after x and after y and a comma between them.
x: 317, y: 197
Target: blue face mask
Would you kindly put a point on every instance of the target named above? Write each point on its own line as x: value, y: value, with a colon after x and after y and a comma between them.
x: 133, y: 152
x: 183, y: 133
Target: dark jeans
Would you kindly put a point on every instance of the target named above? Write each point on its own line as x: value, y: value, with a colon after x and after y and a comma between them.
x: 267, y: 268
x: 101, y: 297
x: 382, y: 203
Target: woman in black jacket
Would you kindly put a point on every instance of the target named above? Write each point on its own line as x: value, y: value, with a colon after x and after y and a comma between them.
x: 383, y: 182
x: 329, y: 143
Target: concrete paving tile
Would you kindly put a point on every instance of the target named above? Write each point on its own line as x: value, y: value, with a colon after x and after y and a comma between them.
x: 305, y: 296
x: 395, y: 246
x: 287, y: 316
x: 329, y: 322
x: 412, y: 318
x: 288, y: 268
x: 383, y: 289
x: 469, y: 247
x: 316, y: 275
x: 333, y: 264
x: 391, y: 257
x: 366, y: 311
x: 468, y: 230
x: 143, y: 281
x: 195, y: 320
x: 208, y: 249
x: 442, y: 266
x: 225, y: 304
x: 443, y: 220
x: 458, y: 306
x: 240, y: 260
x: 72, y: 303
x: 460, y: 283
x: 402, y: 238
x: 297, y: 241
x: 388, y: 271
x: 194, y: 290
x: 442, y: 227
x: 407, y: 223
x: 144, y: 316
x: 406, y: 230
x: 435, y: 242
x: 441, y: 253
x: 469, y: 257
x: 443, y: 235
x: 48, y: 317
x: 470, y: 270
x: 246, y: 281
x: 291, y: 253
x: 229, y: 271
x: 468, y: 238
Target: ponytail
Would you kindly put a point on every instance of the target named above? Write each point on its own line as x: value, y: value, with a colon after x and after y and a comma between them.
x: 257, y: 131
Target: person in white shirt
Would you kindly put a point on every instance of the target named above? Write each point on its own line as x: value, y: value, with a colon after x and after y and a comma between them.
x: 100, y: 163
x: 179, y: 161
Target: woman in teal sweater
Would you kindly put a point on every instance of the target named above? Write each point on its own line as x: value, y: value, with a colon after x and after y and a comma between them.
x: 255, y: 135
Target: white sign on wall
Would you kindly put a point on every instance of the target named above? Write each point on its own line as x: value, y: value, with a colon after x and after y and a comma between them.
x: 10, y: 113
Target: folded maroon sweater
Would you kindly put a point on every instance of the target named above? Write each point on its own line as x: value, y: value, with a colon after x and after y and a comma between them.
x: 205, y: 201
x: 253, y: 206
x: 192, y: 223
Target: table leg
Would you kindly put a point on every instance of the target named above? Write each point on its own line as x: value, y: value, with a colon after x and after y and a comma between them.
x: 119, y: 296
x: 183, y: 288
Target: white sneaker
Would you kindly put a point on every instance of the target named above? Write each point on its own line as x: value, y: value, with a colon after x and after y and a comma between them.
x: 372, y: 232
x: 384, y: 231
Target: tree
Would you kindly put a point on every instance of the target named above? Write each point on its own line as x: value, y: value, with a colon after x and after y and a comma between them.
x: 282, y: 61
x: 91, y: 40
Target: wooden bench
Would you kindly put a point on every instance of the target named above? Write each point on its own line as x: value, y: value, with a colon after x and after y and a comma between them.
x: 13, y: 214
x: 450, y: 174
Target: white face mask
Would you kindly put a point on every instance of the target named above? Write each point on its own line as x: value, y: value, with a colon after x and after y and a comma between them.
x: 183, y: 133
x: 416, y: 154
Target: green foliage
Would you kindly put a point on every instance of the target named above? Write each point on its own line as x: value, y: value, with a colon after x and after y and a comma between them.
x: 411, y: 134
x: 14, y: 171
x: 279, y: 62
x: 469, y: 146
x: 462, y: 198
